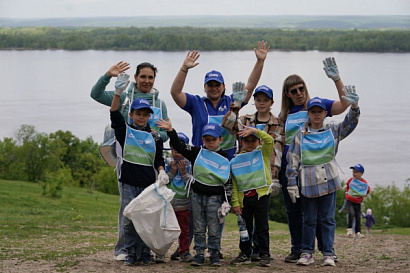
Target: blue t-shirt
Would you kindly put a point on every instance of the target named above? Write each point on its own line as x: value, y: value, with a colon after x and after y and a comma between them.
x: 200, y: 108
x: 295, y: 109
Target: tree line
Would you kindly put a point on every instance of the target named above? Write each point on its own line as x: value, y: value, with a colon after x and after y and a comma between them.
x: 205, y: 39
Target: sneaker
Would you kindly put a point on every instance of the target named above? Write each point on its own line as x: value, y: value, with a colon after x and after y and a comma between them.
x: 255, y: 257
x: 292, y: 258
x: 147, y: 260
x: 130, y: 260
x: 159, y: 259
x: 198, y: 260
x: 350, y: 233
x: 305, y: 259
x: 215, y: 261
x: 241, y: 259
x: 186, y: 257
x: 265, y: 260
x: 175, y: 255
x: 120, y: 257
x: 329, y: 261
x: 359, y: 235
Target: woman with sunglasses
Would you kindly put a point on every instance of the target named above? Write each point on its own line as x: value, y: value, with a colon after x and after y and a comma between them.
x: 295, y: 96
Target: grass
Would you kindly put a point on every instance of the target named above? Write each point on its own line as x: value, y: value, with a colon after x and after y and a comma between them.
x: 84, y: 222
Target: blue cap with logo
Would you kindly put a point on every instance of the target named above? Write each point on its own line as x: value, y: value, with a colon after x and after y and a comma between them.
x: 211, y: 129
x: 214, y: 76
x: 358, y: 167
x: 316, y: 101
x: 141, y: 104
x: 183, y: 137
x: 264, y: 89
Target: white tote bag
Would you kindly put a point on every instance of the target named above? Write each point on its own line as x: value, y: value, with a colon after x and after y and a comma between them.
x: 154, y: 218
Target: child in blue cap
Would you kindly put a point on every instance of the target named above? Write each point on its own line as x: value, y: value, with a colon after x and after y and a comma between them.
x: 356, y: 189
x: 211, y: 187
x: 312, y: 168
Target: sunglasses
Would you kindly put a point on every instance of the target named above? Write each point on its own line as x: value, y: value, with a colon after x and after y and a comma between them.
x: 294, y: 91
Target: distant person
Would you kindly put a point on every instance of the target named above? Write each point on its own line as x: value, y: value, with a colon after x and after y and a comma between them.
x: 356, y: 189
x: 369, y: 220
x: 141, y: 163
x: 295, y: 96
x: 211, y: 188
x: 143, y: 87
x: 252, y: 183
x: 312, y: 168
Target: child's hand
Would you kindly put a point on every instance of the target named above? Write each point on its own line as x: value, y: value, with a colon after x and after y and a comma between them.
x: 237, y: 210
x: 181, y: 166
x: 167, y: 125
x: 173, y: 166
x: 247, y: 130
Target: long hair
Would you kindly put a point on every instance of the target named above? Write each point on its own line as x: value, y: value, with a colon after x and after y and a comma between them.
x: 287, y: 102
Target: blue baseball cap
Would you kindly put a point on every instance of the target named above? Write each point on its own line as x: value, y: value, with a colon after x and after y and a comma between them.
x: 183, y: 137
x: 141, y: 104
x: 316, y: 101
x: 264, y: 89
x: 358, y: 167
x: 211, y: 129
x: 214, y: 76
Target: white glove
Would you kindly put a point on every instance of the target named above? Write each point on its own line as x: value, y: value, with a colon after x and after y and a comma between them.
x: 162, y: 178
x: 121, y: 83
x: 293, y: 193
x: 275, y: 187
x: 351, y: 96
x: 331, y: 69
x: 238, y: 93
x: 223, y: 210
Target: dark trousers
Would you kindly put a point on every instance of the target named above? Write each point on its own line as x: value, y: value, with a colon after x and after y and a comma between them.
x: 355, y: 212
x: 255, y: 209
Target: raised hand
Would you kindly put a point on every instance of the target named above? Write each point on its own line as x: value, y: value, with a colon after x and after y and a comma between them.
x: 330, y: 67
x: 262, y: 51
x: 247, y: 130
x: 118, y: 68
x: 165, y: 124
x: 238, y: 93
x: 190, y: 60
x: 350, y: 95
x: 121, y: 83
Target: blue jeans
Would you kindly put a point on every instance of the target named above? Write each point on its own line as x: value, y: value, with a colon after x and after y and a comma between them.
x: 119, y: 246
x: 320, y: 209
x: 294, y: 214
x: 205, y: 215
x: 132, y: 241
x: 256, y: 209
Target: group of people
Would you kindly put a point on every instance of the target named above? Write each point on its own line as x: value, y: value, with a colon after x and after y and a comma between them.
x: 235, y: 162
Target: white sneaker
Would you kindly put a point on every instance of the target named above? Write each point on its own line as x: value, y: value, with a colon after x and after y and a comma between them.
x: 305, y: 259
x: 359, y: 235
x: 120, y: 257
x: 329, y: 261
x: 350, y: 233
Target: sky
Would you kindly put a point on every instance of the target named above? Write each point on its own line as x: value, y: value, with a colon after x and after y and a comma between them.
x: 113, y: 8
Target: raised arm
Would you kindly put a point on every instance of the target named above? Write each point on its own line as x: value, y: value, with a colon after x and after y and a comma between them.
x: 332, y: 71
x: 179, y: 81
x: 261, y: 52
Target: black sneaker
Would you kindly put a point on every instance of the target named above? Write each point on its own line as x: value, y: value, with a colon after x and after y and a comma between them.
x: 255, y: 257
x: 147, y: 260
x: 241, y: 259
x: 215, y: 261
x: 175, y: 255
x: 130, y: 260
x: 265, y: 260
x: 198, y: 260
x: 292, y: 258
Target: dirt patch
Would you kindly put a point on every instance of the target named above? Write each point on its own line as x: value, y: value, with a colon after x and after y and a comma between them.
x: 375, y: 253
